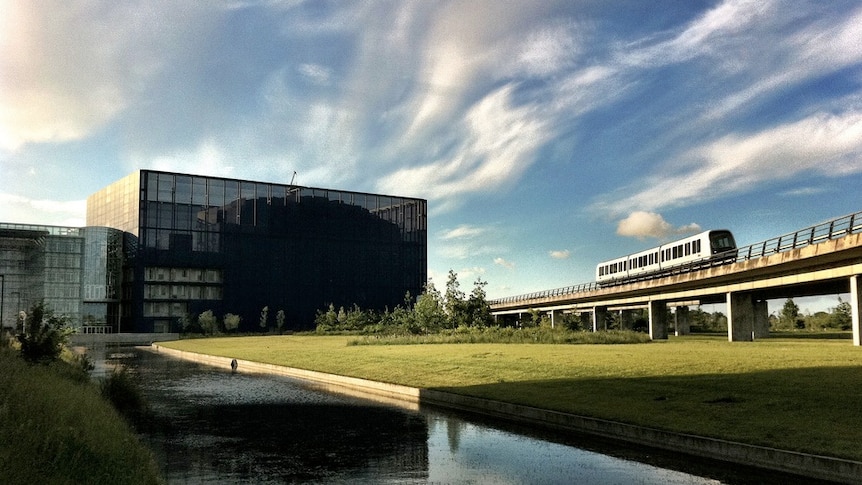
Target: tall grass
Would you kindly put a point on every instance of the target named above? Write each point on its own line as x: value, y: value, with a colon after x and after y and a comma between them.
x: 506, y: 335
x: 56, y: 428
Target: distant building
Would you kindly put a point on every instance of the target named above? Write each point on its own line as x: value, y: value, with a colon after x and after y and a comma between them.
x: 160, y: 248
x: 75, y: 271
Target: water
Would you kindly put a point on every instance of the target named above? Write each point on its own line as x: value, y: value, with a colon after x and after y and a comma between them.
x: 209, y: 425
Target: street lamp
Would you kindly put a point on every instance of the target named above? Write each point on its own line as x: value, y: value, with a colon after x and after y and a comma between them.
x: 2, y: 300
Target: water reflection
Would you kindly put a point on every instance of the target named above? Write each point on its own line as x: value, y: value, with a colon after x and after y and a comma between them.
x: 210, y: 425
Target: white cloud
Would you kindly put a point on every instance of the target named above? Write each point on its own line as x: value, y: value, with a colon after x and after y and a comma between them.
x: 464, y: 231
x: 804, y: 191
x: 559, y: 254
x: 23, y: 210
x: 500, y: 142
x: 641, y: 224
x: 69, y: 68
x: 548, y: 50
x: 827, y: 144
x: 316, y: 73
x: 504, y: 263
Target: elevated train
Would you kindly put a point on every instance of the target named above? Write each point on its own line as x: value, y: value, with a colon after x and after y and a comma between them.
x: 715, y: 244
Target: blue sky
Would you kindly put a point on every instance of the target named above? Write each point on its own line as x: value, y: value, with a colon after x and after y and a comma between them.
x: 546, y: 136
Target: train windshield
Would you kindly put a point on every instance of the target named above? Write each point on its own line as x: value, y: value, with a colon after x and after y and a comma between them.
x: 722, y: 241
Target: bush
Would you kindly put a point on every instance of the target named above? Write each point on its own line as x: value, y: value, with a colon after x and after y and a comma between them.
x: 44, y: 335
x: 121, y: 390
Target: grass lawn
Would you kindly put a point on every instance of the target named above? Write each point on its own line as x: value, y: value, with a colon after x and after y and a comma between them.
x: 789, y: 393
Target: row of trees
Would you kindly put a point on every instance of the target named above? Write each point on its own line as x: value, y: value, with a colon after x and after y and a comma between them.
x: 789, y: 318
x: 209, y: 324
x: 432, y: 311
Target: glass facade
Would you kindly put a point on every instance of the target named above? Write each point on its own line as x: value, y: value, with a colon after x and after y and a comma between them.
x: 102, y: 279
x: 116, y: 205
x: 235, y: 246
x: 41, y: 263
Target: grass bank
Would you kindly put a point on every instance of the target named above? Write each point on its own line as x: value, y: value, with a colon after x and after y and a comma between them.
x: 793, y: 394
x: 56, y: 428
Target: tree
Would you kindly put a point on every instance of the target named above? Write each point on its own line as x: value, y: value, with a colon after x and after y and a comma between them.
x: 279, y: 320
x: 231, y: 322
x: 429, y: 311
x: 264, y: 317
x: 453, y: 302
x: 842, y: 316
x: 208, y: 322
x: 44, y: 335
x: 478, y: 310
x: 789, y: 316
x: 328, y: 320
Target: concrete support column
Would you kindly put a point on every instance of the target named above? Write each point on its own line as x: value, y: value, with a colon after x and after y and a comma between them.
x: 761, y: 319
x: 627, y: 320
x: 856, y: 308
x: 657, y: 320
x: 683, y: 327
x: 740, y: 317
x: 554, y: 315
x: 600, y: 321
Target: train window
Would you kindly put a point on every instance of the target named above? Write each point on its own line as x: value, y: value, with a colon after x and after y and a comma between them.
x: 696, y: 246
x: 688, y: 249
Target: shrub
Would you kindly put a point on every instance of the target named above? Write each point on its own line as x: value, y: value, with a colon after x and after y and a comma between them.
x: 121, y: 390
x: 44, y: 335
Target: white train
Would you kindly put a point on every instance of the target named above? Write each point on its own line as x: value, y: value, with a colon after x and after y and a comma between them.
x: 706, y: 245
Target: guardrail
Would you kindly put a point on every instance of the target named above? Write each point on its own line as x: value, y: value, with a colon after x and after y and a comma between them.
x: 834, y: 229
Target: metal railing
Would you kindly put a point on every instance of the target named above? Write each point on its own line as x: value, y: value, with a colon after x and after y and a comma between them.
x: 826, y: 231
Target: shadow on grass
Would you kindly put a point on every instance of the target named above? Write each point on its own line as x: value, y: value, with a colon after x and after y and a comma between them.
x: 812, y: 410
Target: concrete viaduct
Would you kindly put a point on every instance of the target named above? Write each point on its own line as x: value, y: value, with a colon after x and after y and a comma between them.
x: 820, y: 260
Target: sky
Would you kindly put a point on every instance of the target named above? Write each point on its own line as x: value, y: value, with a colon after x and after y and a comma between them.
x: 546, y: 136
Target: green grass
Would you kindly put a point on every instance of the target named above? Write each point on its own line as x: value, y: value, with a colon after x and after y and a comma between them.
x: 794, y: 394
x: 56, y: 428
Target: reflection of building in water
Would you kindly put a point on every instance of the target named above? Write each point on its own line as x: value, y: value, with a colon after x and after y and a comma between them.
x: 162, y: 247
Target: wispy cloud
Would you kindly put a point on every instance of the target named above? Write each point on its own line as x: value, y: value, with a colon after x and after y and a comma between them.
x: 504, y: 263
x: 501, y: 142
x: 560, y: 254
x: 464, y: 231
x: 826, y: 144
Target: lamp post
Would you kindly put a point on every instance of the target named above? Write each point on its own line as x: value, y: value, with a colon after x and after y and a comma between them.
x: 2, y: 301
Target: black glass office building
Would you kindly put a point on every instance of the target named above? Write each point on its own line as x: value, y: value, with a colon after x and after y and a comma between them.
x: 195, y: 243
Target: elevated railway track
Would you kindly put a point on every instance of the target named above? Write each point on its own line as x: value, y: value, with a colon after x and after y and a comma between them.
x: 822, y: 259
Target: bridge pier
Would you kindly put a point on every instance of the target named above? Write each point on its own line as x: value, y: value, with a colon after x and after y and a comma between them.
x: 657, y: 320
x: 761, y: 319
x: 856, y: 308
x: 747, y: 318
x: 682, y: 327
x: 627, y: 320
x: 600, y: 318
x: 740, y: 317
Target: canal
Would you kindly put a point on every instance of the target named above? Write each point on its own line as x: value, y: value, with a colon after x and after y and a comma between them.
x: 210, y: 425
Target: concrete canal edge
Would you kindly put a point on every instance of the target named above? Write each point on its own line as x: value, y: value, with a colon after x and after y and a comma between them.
x: 803, y: 464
